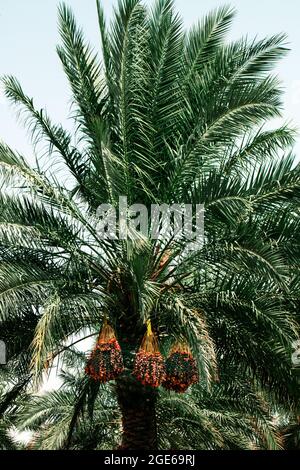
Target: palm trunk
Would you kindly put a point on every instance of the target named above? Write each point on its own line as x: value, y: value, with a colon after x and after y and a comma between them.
x: 137, y: 404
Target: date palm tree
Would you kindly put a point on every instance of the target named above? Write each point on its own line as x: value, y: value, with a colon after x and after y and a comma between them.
x: 167, y: 116
x: 228, y: 417
x: 7, y: 383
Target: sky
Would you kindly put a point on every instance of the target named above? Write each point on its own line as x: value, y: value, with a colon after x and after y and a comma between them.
x: 28, y: 37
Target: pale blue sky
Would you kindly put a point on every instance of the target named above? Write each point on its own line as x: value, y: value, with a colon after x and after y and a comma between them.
x: 28, y: 36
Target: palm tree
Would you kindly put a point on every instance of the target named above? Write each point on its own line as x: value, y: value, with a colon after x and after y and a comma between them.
x: 6, y: 442
x: 167, y: 117
x: 291, y: 434
x: 229, y: 416
x: 7, y: 409
x: 80, y: 415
